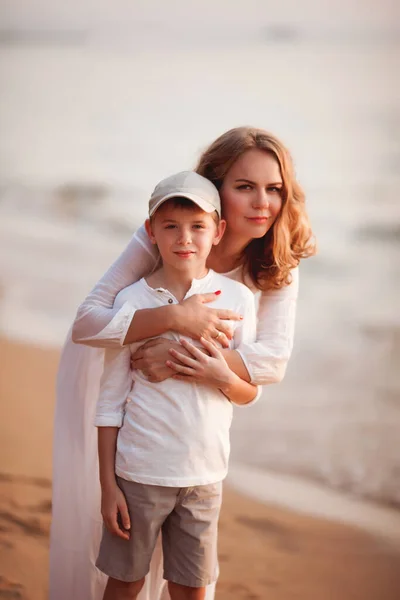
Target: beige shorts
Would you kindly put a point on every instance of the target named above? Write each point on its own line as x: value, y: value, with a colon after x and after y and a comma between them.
x: 188, y: 520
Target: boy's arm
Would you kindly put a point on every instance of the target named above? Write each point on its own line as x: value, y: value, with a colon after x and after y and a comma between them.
x: 115, y: 385
x: 107, y: 445
x: 113, y: 502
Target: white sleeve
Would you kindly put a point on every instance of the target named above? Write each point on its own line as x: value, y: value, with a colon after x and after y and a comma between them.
x: 266, y: 358
x: 97, y: 322
x: 115, y: 385
x: 246, y: 331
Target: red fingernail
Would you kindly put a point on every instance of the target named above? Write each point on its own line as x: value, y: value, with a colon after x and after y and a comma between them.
x: 217, y: 293
x: 241, y: 318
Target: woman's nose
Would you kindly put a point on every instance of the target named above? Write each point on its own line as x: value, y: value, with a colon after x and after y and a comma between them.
x: 261, y: 200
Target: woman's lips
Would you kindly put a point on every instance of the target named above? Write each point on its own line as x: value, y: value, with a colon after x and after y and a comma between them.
x: 259, y: 220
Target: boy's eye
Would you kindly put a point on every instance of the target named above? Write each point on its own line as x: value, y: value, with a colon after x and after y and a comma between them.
x: 198, y: 226
x: 170, y: 226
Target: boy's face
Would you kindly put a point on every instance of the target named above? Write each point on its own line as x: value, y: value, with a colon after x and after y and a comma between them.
x: 184, y: 235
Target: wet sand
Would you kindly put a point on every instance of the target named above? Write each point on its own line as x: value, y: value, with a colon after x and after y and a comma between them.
x: 265, y: 552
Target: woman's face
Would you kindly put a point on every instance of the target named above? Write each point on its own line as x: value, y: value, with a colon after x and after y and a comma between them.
x: 251, y: 195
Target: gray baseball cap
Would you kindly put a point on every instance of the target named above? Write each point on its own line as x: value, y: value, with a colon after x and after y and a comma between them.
x: 190, y: 185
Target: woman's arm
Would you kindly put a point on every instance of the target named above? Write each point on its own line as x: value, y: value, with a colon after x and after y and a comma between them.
x: 261, y: 361
x: 236, y: 364
x: 97, y: 323
x: 191, y: 318
x: 267, y: 357
x: 245, y: 333
x: 212, y: 369
x: 101, y: 322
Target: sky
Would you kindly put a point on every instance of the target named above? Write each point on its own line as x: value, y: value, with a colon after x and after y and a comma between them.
x: 102, y: 15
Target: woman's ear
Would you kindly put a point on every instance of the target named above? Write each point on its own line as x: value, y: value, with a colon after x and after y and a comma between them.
x: 149, y: 231
x: 220, y: 232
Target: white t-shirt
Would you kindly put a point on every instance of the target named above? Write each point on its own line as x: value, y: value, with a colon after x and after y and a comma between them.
x: 101, y: 323
x: 172, y: 433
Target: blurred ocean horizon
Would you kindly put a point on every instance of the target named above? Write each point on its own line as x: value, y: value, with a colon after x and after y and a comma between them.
x: 95, y: 110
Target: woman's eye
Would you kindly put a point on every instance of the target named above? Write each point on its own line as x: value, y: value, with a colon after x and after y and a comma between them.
x: 275, y: 190
x: 244, y: 186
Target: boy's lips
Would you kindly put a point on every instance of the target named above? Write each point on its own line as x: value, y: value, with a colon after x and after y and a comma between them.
x: 184, y: 253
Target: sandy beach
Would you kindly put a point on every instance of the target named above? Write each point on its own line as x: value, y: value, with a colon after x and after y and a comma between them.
x: 265, y: 552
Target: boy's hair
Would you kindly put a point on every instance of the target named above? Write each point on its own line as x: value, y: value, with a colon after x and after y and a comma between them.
x: 181, y: 202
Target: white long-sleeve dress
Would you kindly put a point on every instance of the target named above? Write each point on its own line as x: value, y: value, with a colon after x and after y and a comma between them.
x: 77, y: 523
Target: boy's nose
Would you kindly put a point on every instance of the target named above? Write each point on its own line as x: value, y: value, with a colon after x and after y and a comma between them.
x: 185, y: 237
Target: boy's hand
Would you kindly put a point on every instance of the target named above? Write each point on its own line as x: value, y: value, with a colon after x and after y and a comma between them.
x: 114, y: 510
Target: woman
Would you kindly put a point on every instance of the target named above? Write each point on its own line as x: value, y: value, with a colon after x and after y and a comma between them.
x: 266, y: 236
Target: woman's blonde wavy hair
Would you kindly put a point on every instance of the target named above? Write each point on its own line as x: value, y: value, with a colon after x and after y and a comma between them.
x: 271, y: 258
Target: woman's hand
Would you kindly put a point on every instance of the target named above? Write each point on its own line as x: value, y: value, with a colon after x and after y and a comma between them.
x: 195, y: 320
x: 151, y: 358
x: 114, y: 510
x: 210, y: 368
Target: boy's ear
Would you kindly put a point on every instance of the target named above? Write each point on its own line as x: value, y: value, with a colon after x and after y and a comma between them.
x: 220, y: 232
x: 149, y: 231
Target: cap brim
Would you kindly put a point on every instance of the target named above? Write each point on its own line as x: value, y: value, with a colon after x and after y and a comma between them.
x: 201, y: 203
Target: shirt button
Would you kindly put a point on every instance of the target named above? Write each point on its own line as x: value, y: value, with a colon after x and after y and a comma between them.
x: 170, y: 301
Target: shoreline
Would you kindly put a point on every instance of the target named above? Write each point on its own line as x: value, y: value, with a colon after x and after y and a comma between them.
x: 310, y: 498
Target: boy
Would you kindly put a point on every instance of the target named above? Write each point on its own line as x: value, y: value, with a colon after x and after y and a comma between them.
x: 164, y: 447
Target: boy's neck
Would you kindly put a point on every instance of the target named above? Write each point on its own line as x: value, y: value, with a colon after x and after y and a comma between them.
x: 177, y: 281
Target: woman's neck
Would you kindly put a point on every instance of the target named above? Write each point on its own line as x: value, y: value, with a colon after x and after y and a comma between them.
x: 228, y: 254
